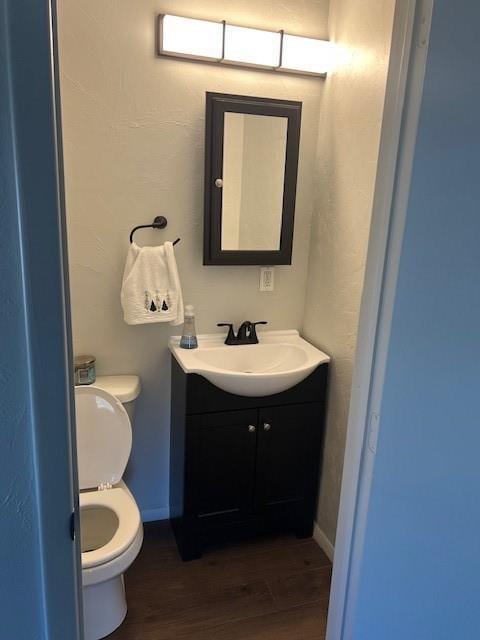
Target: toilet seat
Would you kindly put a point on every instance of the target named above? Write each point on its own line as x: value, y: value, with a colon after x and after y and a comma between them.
x: 104, y: 437
x: 120, y: 501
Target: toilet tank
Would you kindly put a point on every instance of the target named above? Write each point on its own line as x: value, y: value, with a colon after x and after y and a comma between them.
x: 124, y: 388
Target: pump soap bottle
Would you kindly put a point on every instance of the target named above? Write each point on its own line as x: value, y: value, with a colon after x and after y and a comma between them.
x: 189, y: 335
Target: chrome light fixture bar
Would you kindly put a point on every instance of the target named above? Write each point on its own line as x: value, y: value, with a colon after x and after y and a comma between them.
x: 195, y: 39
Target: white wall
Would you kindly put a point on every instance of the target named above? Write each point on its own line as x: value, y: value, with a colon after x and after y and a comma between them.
x: 349, y: 132
x: 133, y: 127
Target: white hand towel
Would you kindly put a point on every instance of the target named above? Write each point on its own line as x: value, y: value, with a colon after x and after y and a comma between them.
x: 151, y: 290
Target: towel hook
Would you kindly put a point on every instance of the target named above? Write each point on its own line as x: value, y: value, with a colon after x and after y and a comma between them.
x: 160, y: 222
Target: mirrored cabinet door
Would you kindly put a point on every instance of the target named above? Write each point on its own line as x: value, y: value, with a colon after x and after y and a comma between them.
x: 250, y: 179
x: 254, y: 152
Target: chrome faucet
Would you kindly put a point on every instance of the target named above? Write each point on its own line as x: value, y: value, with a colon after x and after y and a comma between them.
x: 247, y: 333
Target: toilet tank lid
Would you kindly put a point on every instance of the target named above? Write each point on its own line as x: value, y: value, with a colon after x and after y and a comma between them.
x: 124, y: 388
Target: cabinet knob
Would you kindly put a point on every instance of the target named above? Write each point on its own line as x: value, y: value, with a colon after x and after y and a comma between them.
x: 266, y: 426
x: 219, y: 183
x: 251, y: 428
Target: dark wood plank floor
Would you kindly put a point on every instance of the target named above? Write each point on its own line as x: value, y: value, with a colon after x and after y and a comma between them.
x: 269, y: 589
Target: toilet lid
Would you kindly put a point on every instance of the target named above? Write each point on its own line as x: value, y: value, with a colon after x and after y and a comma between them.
x: 104, y: 437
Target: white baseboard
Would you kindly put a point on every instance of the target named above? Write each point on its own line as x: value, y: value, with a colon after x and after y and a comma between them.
x: 323, y: 542
x: 149, y: 515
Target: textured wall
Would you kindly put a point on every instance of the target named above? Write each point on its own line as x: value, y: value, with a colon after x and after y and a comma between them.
x: 349, y: 132
x: 134, y: 140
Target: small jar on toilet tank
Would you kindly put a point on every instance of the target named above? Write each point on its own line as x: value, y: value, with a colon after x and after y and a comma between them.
x: 85, y: 369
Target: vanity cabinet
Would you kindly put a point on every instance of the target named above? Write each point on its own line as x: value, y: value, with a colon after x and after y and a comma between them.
x: 223, y: 448
x: 241, y: 465
x: 288, y: 456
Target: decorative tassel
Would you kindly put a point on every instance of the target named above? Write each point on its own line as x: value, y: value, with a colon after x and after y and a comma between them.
x: 164, y: 306
x: 153, y: 307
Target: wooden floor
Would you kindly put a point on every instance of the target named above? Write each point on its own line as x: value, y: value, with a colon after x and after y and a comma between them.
x: 270, y: 589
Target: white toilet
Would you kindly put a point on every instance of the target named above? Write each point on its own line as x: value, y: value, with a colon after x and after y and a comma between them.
x: 110, y: 524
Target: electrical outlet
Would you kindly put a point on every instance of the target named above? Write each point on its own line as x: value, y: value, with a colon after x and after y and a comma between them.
x: 266, y: 279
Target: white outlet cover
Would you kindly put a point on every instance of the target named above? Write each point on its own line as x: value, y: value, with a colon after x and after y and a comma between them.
x: 267, y: 281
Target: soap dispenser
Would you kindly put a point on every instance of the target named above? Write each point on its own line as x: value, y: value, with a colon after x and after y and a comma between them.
x: 189, y: 335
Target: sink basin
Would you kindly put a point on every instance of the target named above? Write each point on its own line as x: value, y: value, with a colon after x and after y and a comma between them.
x: 281, y: 360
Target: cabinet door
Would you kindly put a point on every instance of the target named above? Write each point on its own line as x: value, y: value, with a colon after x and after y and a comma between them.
x: 289, y: 443
x: 223, y: 449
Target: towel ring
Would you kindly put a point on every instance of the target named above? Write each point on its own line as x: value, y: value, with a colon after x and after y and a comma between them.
x: 160, y: 222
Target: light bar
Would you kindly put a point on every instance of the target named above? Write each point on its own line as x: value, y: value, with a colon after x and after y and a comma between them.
x: 306, y: 54
x: 190, y: 38
x: 252, y: 46
x: 230, y: 44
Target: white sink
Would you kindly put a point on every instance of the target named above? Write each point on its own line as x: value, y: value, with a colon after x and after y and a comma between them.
x: 281, y: 360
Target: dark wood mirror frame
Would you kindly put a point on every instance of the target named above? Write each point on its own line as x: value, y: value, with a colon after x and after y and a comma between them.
x: 217, y: 105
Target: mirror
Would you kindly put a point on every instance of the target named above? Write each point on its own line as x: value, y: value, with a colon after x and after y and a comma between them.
x: 254, y: 149
x: 250, y: 179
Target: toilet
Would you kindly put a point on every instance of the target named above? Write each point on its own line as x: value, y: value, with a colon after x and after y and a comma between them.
x: 110, y: 525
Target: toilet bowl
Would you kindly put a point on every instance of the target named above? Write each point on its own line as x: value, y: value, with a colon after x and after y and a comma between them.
x: 110, y: 525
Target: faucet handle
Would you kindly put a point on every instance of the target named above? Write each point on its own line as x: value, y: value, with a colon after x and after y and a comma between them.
x: 230, y: 339
x: 253, y: 329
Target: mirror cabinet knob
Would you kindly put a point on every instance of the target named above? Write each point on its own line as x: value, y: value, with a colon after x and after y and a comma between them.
x: 251, y: 428
x: 219, y: 183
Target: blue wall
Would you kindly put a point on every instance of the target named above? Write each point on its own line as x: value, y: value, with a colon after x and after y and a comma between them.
x: 19, y: 546
x: 420, y: 575
x: 38, y: 560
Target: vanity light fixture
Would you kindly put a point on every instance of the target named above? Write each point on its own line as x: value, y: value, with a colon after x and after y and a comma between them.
x: 189, y: 38
x: 306, y: 54
x: 251, y: 46
x: 224, y: 43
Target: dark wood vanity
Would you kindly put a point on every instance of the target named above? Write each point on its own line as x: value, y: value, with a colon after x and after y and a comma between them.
x: 243, y: 465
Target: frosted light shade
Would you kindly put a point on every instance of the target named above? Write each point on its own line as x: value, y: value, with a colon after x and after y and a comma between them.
x: 306, y: 54
x: 252, y: 46
x: 191, y: 38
